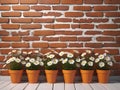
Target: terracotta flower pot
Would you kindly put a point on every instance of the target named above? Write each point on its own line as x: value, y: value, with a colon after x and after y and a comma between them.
x: 33, y: 75
x: 16, y: 75
x: 103, y: 76
x: 87, y: 75
x: 69, y: 76
x: 51, y: 75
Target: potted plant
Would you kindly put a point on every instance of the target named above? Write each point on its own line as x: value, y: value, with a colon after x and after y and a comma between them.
x: 33, y: 62
x: 13, y: 63
x: 86, y: 61
x: 51, y: 67
x: 104, y: 62
x: 68, y: 66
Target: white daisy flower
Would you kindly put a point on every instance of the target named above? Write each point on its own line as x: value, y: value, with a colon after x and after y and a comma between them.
x: 77, y: 59
x: 19, y: 52
x: 23, y: 62
x: 8, y: 61
x: 49, y: 63
x: 51, y: 56
x: 28, y: 64
x: 101, y: 64
x: 61, y: 53
x: 92, y: 58
x: 36, y: 63
x: 97, y: 60
x: 101, y: 56
x: 110, y: 63
x: 83, y: 54
x: 27, y: 58
x: 90, y: 63
x: 71, y: 61
x: 96, y: 54
x: 61, y: 59
x: 107, y: 58
x: 83, y: 63
x: 88, y: 51
x: 55, y: 61
x: 70, y: 55
x: 36, y: 51
x: 41, y: 63
x: 32, y: 60
x: 64, y: 61
x: 17, y: 60
x: 24, y: 52
x: 38, y: 58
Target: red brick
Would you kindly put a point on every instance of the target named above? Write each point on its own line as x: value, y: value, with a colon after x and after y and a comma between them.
x: 40, y: 45
x: 21, y: 8
x: 31, y: 38
x: 57, y: 14
x: 4, y: 20
x: 72, y: 33
x: 4, y: 72
x: 61, y: 8
x: 44, y: 33
x: 112, y: 2
x: 4, y: 45
x: 73, y: 14
x: 2, y: 58
x: 111, y: 33
x: 94, y: 14
x: 4, y: 8
x: 20, y: 33
x: 117, y: 39
x: 64, y: 20
x: 60, y: 26
x: 74, y: 26
x: 93, y: 1
x: 82, y: 8
x: 49, y: 1
x: 94, y: 45
x: 21, y: 20
x: 75, y: 45
x: 85, y: 20
x: 32, y: 14
x: 5, y: 51
x: 50, y: 38
x: 28, y: 1
x: 57, y: 45
x: 71, y: 1
x: 117, y: 58
x: 20, y: 45
x: 116, y: 20
x: 102, y: 38
x: 112, y: 51
x: 59, y: 32
x: 39, y: 8
x: 11, y: 14
x: 68, y: 38
x: 112, y: 14
x: 31, y: 26
x: 96, y: 20
x: 51, y: 26
x: 10, y: 26
x: 4, y: 33
x: 9, y: 1
x: 11, y: 38
x: 87, y: 26
x: 84, y: 38
x: 93, y: 32
x: 105, y: 8
x: 111, y: 44
x: 43, y: 20
x: 108, y: 26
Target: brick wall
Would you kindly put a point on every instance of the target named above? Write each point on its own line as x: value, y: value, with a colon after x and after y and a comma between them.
x: 60, y: 25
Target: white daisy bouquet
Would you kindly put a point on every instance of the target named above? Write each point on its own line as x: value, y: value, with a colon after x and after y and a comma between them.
x: 33, y: 60
x: 104, y: 61
x: 14, y: 60
x: 86, y: 60
x: 68, y: 61
x: 51, y: 61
